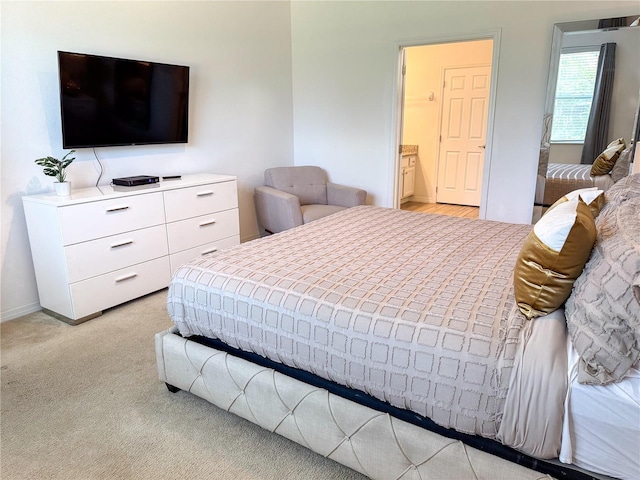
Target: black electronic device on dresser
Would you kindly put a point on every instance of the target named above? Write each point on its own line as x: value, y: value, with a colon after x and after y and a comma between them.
x: 135, y: 181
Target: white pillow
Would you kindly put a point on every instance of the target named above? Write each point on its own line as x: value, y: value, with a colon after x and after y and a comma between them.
x: 555, y: 225
x: 592, y: 196
x: 587, y: 194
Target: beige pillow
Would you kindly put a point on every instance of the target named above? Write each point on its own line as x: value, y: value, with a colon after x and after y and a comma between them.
x: 592, y: 196
x: 628, y: 187
x: 552, y: 257
x: 621, y: 167
x: 607, y: 159
x: 603, y: 311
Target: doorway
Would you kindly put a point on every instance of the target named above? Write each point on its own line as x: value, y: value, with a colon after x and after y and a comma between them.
x: 445, y: 125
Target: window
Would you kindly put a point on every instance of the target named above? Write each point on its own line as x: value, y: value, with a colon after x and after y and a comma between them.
x: 574, y: 94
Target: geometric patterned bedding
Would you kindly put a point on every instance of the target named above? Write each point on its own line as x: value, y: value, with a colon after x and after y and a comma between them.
x: 416, y: 310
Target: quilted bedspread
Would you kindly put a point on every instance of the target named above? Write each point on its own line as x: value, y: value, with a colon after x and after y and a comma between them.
x: 414, y: 309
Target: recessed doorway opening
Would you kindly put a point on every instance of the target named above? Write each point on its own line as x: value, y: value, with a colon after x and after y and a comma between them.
x: 446, y: 120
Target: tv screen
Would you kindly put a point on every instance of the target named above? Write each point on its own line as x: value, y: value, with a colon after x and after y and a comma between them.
x: 108, y: 101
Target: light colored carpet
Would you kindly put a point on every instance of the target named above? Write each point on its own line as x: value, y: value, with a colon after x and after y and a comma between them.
x: 85, y: 402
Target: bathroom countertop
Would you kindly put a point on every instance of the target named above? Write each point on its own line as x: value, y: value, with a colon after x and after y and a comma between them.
x: 408, y: 149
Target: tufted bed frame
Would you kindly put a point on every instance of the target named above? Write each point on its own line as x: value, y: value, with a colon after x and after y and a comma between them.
x: 368, y: 440
x: 241, y: 343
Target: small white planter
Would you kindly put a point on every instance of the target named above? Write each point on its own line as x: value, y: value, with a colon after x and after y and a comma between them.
x: 63, y: 189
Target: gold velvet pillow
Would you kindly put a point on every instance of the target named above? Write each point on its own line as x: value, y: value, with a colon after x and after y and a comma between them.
x: 592, y: 196
x: 552, y: 257
x: 604, y: 162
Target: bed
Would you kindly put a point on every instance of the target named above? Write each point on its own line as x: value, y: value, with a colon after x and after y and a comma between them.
x: 389, y: 341
x: 557, y: 179
x: 562, y: 178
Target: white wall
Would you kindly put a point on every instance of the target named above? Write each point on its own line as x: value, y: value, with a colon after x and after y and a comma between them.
x: 345, y: 57
x: 240, y: 102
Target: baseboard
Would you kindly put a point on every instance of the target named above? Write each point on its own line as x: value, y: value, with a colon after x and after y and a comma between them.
x: 19, y: 312
x: 420, y: 199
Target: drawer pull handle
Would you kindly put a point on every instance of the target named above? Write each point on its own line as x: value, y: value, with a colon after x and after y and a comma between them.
x: 126, y: 277
x: 122, y: 244
x: 211, y: 250
x: 204, y: 194
x: 210, y: 222
x: 116, y: 209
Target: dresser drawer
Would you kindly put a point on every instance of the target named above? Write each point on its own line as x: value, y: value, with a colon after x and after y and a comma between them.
x: 180, y: 258
x: 99, y: 293
x: 89, y: 259
x: 192, y: 232
x: 191, y: 202
x: 92, y: 220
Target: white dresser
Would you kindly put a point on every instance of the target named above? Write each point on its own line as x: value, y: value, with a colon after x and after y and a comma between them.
x: 106, y: 245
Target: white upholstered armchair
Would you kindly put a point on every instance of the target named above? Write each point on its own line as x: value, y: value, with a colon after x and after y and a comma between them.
x: 292, y: 196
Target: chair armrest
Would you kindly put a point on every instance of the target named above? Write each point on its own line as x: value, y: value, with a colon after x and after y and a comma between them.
x: 344, y: 196
x: 277, y: 210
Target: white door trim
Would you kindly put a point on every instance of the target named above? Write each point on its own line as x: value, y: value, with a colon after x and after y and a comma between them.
x: 398, y: 107
x: 399, y: 121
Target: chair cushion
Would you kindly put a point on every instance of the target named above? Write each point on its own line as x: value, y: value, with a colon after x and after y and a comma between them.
x: 308, y: 183
x: 314, y: 212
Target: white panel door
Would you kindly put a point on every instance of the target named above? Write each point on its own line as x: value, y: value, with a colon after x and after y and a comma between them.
x: 465, y: 109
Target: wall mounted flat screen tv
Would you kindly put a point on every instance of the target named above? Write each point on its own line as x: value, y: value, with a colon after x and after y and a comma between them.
x: 108, y: 101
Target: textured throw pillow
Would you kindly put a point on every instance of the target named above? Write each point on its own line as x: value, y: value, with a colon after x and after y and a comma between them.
x: 603, y: 311
x: 592, y: 196
x: 552, y: 257
x: 607, y: 159
x: 628, y: 187
x: 621, y: 167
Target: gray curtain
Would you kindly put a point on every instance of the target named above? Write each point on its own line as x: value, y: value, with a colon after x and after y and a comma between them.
x: 612, y: 22
x: 596, y: 138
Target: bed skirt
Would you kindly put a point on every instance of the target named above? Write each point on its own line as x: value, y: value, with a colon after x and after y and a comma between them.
x: 366, y: 440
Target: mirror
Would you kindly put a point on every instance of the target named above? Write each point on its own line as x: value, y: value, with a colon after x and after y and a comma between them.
x: 560, y: 169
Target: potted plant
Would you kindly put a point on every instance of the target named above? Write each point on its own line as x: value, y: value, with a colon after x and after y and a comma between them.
x: 56, y: 168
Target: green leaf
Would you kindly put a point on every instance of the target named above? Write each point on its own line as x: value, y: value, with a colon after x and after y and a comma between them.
x: 54, y: 167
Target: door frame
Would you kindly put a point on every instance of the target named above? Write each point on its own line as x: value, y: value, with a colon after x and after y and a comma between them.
x: 398, y: 113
